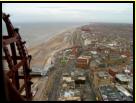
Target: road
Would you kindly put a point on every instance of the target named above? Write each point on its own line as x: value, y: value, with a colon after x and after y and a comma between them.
x: 53, y: 95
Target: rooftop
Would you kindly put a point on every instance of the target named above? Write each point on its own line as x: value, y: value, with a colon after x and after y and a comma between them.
x: 84, y: 57
x: 70, y: 93
x: 123, y: 90
x: 122, y: 77
x: 103, y: 74
x: 110, y: 93
x: 67, y: 79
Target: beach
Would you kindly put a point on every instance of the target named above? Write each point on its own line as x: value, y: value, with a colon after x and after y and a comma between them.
x: 44, y: 51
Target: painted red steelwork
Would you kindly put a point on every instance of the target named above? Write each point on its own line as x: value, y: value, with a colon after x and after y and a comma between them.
x: 16, y: 45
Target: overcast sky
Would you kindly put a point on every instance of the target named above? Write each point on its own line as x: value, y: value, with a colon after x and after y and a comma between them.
x: 70, y: 12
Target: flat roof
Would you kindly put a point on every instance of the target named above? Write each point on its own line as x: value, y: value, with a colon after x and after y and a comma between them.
x: 84, y: 57
x: 103, y: 74
x: 82, y: 78
x: 123, y: 90
x: 122, y: 77
x: 110, y: 93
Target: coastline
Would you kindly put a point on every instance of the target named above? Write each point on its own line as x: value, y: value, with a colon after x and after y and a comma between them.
x: 44, y: 51
x: 61, y: 32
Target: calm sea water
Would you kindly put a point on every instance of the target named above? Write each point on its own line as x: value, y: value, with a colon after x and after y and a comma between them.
x: 36, y: 33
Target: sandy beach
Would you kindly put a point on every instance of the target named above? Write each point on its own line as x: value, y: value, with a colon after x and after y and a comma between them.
x: 44, y: 51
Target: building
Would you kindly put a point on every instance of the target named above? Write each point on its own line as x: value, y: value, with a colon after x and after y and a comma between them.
x: 70, y: 95
x: 83, y: 62
x: 67, y: 79
x: 87, y: 42
x: 80, y: 81
x: 111, y: 93
x: 123, y: 90
x: 68, y: 91
x: 101, y: 78
x: 75, y: 51
x: 122, y: 78
x: 107, y: 93
x: 94, y: 64
x: 113, y: 71
x: 69, y: 99
x: 72, y: 85
x: 130, y: 87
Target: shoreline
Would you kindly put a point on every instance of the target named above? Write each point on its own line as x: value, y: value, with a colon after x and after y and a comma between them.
x: 55, y: 35
x: 63, y: 32
x: 42, y: 52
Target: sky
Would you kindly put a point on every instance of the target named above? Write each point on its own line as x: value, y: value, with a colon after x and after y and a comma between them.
x: 70, y: 12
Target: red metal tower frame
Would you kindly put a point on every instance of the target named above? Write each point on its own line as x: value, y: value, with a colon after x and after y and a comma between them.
x: 15, y: 62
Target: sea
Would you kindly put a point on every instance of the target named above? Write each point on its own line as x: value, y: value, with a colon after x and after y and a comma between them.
x: 37, y: 33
